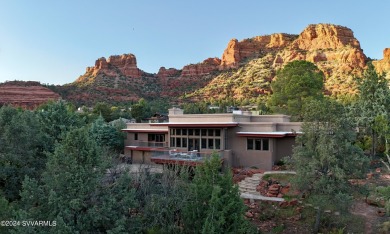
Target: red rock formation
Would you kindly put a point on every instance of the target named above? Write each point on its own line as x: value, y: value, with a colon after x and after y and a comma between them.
x: 383, y: 65
x: 237, y: 51
x: 203, y: 68
x: 28, y: 97
x: 170, y: 72
x: 325, y: 36
x: 127, y: 64
x: 116, y: 65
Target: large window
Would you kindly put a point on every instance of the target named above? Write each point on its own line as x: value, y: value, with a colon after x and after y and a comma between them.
x: 257, y: 144
x: 208, y: 138
x: 156, y: 137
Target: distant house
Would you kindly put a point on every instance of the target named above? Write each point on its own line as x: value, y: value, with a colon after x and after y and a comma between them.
x: 240, y: 138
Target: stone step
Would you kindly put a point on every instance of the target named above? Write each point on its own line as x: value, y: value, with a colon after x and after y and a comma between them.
x: 247, y: 187
x: 249, y: 191
x: 254, y: 184
x: 255, y: 180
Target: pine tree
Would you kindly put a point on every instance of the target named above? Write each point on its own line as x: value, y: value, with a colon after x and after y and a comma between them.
x: 107, y: 135
x: 77, y: 192
x: 21, y: 149
x: 325, y: 156
x: 373, y: 102
x: 214, y: 205
x: 298, y: 82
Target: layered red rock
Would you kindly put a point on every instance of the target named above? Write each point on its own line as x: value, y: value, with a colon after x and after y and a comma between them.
x: 325, y: 36
x: 170, y: 72
x: 383, y: 65
x: 115, y: 65
x: 201, y: 69
x: 28, y: 97
x: 236, y: 50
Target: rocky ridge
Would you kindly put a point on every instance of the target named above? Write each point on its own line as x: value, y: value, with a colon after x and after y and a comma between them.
x: 27, y: 95
x: 332, y: 48
x: 244, y: 71
x: 383, y: 65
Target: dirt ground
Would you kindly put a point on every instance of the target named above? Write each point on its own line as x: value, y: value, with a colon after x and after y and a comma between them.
x: 370, y: 215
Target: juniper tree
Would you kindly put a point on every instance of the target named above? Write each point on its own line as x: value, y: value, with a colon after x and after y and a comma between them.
x: 373, y: 102
x: 214, y: 205
x: 21, y: 149
x: 325, y: 156
x: 77, y: 192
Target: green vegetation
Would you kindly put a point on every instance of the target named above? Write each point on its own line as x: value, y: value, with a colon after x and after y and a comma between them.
x: 55, y: 166
x: 214, y: 204
x: 325, y: 156
x: 297, y: 83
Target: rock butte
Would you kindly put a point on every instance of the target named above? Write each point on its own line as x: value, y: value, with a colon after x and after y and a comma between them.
x: 318, y: 43
x: 383, y: 65
x: 333, y: 48
x: 28, y: 97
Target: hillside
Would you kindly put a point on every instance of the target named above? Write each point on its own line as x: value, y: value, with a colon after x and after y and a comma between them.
x: 27, y: 95
x: 332, y: 48
x: 244, y: 71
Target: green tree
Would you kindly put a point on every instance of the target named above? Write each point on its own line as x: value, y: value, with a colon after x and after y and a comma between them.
x: 21, y: 149
x: 325, y: 156
x: 56, y: 119
x: 104, y: 110
x: 107, y: 135
x: 78, y: 191
x: 141, y: 110
x: 214, y: 205
x: 373, y: 101
x: 295, y: 84
x: 162, y: 198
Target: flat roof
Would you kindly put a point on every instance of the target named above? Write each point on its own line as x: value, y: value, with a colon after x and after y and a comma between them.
x: 197, y: 124
x: 268, y: 134
x: 145, y: 130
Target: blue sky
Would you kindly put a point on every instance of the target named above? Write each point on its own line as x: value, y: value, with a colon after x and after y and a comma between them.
x: 54, y: 41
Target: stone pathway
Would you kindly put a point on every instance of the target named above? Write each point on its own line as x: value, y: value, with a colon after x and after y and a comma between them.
x: 248, y: 186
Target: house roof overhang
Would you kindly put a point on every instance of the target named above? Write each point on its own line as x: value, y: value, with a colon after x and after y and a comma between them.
x: 268, y: 134
x: 146, y: 130
x: 198, y: 124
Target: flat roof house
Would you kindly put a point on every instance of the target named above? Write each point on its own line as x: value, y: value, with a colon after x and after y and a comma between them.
x: 240, y: 138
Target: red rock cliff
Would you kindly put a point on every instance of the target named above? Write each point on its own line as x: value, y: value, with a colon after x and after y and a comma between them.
x: 383, y: 65
x: 125, y: 64
x: 203, y: 68
x: 170, y: 72
x: 237, y: 51
x: 325, y: 36
x: 25, y: 96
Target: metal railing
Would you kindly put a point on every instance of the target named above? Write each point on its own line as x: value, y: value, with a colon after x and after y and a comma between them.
x: 150, y: 144
x: 174, y: 154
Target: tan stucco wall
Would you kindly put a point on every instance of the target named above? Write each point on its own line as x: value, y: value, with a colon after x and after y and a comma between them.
x: 284, y: 147
x: 249, y: 158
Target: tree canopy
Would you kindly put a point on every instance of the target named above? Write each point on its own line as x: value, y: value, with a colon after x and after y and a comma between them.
x: 325, y: 156
x: 373, y: 104
x: 295, y: 84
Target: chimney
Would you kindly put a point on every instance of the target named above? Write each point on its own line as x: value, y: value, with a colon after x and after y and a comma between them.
x: 175, y: 111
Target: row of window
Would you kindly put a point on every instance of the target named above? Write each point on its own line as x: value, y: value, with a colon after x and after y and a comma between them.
x: 205, y: 143
x: 195, y: 132
x: 152, y: 137
x: 257, y: 144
